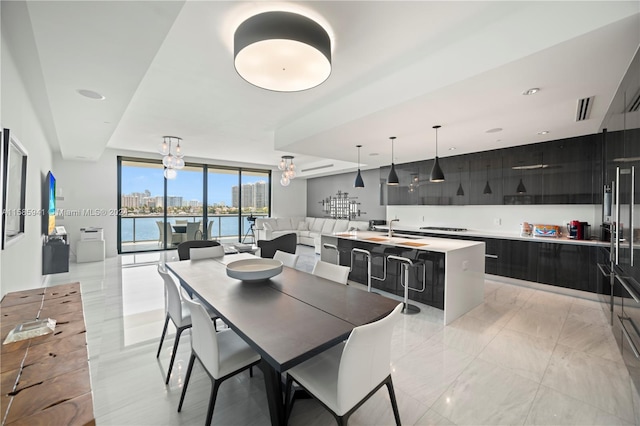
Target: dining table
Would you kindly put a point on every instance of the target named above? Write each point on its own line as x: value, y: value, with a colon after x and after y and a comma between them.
x: 286, y: 319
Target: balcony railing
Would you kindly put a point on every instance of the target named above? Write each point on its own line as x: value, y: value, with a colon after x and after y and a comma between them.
x: 143, y: 228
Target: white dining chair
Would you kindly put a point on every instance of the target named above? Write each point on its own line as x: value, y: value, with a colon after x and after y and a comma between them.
x: 197, y: 253
x: 330, y: 271
x: 287, y: 259
x: 175, y: 310
x: 223, y: 354
x: 345, y: 376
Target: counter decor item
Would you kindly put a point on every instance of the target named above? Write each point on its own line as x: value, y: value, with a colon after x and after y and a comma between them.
x: 525, y: 229
x: 252, y: 270
x: 546, y: 231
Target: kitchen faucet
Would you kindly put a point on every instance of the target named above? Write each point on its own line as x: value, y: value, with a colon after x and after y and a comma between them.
x: 391, y: 226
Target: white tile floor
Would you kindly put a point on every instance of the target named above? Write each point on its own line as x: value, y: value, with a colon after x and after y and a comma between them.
x: 525, y: 356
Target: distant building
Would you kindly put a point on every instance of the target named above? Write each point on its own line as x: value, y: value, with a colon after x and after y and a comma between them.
x: 254, y: 195
x: 130, y: 201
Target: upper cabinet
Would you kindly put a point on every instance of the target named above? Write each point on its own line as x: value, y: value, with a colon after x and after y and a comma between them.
x: 567, y: 171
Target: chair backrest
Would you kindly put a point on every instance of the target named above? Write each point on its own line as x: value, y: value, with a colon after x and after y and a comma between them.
x: 287, y: 259
x: 192, y: 227
x: 173, y: 300
x: 210, y: 230
x: 159, y: 223
x: 181, y: 221
x: 196, y: 253
x: 331, y: 272
x: 286, y: 243
x: 185, y: 248
x: 366, y: 360
x: 204, y: 341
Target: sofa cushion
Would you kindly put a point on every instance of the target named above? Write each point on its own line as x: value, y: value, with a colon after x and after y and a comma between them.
x: 328, y: 226
x: 283, y: 223
x: 342, y: 225
x: 267, y: 226
x: 317, y: 225
x: 303, y: 226
x: 305, y: 234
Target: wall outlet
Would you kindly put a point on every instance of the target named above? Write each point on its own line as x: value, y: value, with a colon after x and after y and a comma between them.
x: 497, y: 221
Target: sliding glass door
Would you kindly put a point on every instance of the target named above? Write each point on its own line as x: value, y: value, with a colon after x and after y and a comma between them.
x: 159, y: 214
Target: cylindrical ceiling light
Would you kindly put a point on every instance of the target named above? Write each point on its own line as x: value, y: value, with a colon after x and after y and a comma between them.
x: 393, y: 176
x: 359, y: 183
x: 436, y: 171
x: 282, y: 51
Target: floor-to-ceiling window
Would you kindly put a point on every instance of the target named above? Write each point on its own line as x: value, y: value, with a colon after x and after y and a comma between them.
x: 160, y: 213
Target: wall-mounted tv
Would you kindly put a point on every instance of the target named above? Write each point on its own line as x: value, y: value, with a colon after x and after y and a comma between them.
x: 49, y: 206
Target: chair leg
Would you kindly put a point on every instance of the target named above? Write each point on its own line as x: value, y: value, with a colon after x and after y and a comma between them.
x: 215, y: 384
x: 164, y: 331
x: 394, y: 403
x: 186, y: 380
x: 173, y: 355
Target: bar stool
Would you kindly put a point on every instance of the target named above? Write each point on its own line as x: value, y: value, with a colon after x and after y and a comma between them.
x: 367, y: 256
x: 333, y: 247
x: 404, y: 281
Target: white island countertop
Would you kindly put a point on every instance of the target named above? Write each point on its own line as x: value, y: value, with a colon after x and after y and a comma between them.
x: 440, y: 245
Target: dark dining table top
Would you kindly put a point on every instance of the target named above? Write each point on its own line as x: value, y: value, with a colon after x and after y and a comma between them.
x: 288, y: 318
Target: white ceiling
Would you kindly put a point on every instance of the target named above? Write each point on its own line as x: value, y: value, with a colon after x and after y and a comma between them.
x: 166, y: 68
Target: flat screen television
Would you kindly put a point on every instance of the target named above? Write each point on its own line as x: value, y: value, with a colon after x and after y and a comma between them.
x: 50, y: 206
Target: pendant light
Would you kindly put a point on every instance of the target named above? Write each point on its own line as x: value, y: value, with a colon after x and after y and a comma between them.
x: 521, y: 188
x: 487, y: 188
x: 460, y: 192
x: 393, y: 176
x: 436, y: 171
x: 359, y: 182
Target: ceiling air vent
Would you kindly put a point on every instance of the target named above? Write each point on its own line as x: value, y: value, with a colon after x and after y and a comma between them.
x: 584, y: 108
x: 634, y: 105
x: 312, y: 169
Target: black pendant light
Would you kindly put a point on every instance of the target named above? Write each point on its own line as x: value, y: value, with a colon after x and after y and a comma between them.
x: 359, y: 182
x: 460, y: 192
x: 487, y: 188
x: 393, y: 176
x: 521, y: 189
x: 436, y: 171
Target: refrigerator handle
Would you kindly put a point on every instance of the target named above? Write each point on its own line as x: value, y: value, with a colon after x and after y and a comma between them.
x: 633, y: 196
x: 617, y: 221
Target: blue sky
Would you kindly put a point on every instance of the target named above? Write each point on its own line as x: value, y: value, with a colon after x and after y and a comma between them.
x: 187, y: 184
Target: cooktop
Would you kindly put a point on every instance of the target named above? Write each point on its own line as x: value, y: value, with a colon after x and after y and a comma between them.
x: 441, y: 228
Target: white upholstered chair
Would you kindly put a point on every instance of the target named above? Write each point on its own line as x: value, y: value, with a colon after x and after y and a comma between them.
x: 337, y: 273
x: 176, y: 311
x: 196, y: 253
x: 223, y: 354
x: 287, y: 259
x: 345, y: 376
x: 192, y: 229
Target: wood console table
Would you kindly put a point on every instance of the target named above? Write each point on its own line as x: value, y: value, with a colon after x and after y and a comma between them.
x: 45, y: 380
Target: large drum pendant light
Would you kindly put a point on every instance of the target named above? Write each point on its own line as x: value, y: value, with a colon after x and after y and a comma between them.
x: 436, y: 171
x: 282, y: 51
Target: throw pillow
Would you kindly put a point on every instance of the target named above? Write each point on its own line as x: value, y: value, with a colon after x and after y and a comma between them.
x: 303, y: 226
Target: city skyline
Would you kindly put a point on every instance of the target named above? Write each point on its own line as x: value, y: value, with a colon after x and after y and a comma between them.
x: 188, y: 184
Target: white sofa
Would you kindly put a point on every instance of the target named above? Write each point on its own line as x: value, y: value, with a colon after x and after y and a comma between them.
x: 307, y: 229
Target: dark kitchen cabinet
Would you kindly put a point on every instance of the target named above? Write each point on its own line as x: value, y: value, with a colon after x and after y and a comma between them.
x: 485, y: 176
x: 572, y: 170
x: 519, y: 260
x: 568, y: 265
x: 522, y: 175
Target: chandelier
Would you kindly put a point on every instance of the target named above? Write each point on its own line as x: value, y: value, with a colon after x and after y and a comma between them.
x: 288, y: 170
x: 172, y: 159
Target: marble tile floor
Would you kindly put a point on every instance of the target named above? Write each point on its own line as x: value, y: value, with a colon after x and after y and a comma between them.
x: 525, y: 356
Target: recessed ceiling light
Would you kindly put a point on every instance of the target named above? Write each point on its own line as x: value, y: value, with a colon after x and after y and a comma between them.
x: 91, y: 94
x: 453, y: 148
x: 531, y: 91
x: 544, y: 132
x: 494, y: 130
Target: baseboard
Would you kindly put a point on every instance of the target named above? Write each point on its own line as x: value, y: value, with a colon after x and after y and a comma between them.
x: 544, y: 287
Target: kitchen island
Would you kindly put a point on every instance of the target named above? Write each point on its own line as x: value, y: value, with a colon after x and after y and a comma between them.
x: 449, y: 275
